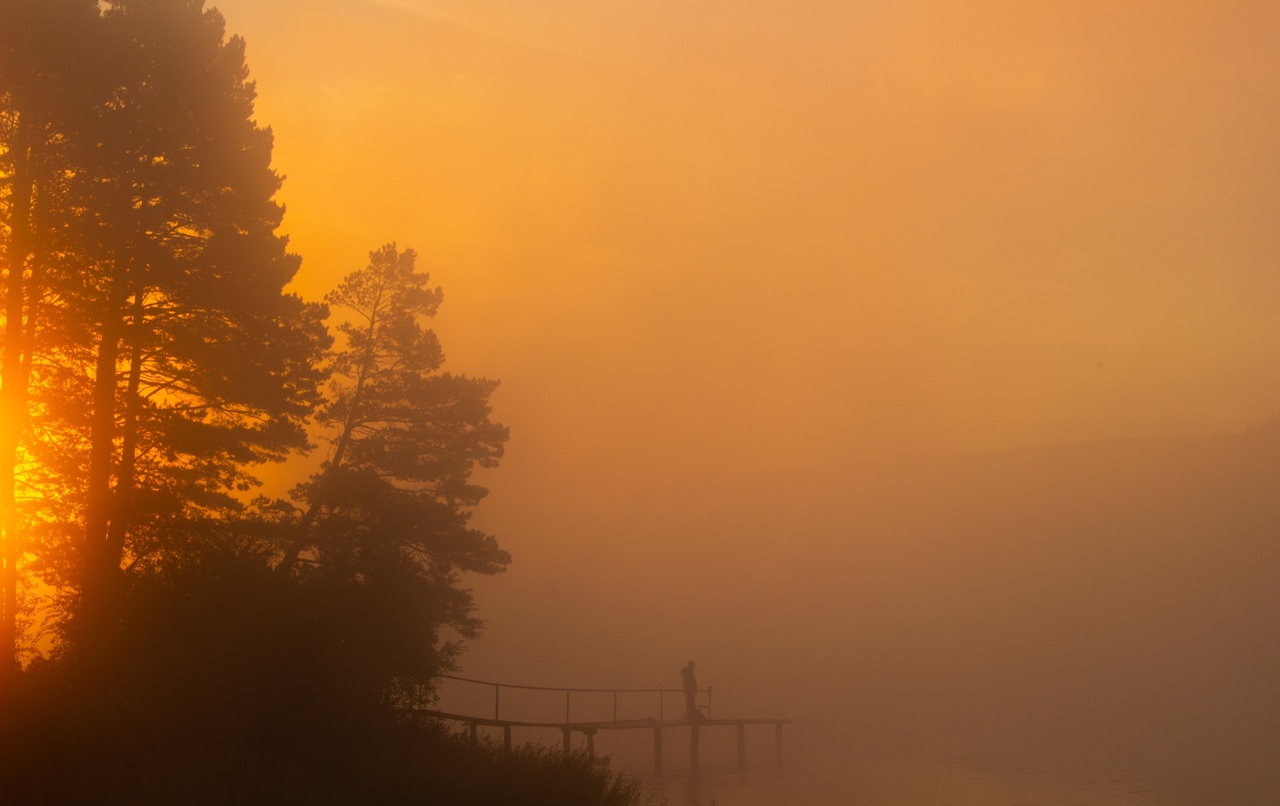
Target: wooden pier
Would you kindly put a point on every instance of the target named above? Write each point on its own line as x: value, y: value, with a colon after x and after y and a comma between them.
x: 589, y: 729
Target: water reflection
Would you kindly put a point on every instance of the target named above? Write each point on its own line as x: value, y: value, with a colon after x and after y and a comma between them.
x: 829, y: 770
x: 722, y: 787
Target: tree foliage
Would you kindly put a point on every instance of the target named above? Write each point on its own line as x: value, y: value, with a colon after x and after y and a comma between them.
x: 46, y: 89
x: 152, y: 358
x: 391, y: 505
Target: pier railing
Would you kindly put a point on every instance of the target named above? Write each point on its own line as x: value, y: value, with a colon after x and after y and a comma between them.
x: 569, y: 692
x: 589, y: 728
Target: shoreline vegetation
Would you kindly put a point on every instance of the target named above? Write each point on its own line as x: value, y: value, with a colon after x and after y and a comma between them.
x: 58, y: 750
x: 214, y: 692
x: 169, y: 634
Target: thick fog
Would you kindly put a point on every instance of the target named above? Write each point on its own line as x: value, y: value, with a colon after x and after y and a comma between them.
x: 911, y: 364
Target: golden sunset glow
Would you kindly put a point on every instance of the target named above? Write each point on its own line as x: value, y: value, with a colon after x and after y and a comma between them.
x: 913, y: 365
x: 737, y: 269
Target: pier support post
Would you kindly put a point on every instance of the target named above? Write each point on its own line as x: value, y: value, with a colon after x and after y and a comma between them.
x: 657, y: 749
x: 777, y: 742
x: 506, y: 738
x: 567, y: 733
x: 693, y: 747
x: 742, y: 746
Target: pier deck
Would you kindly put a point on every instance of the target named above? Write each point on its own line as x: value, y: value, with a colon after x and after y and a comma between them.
x: 589, y: 730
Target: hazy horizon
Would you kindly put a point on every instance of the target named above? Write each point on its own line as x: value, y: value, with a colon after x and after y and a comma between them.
x: 797, y: 314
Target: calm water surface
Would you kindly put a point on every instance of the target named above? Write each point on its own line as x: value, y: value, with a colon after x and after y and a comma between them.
x: 824, y: 768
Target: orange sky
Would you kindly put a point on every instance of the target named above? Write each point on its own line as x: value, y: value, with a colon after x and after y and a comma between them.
x: 733, y: 263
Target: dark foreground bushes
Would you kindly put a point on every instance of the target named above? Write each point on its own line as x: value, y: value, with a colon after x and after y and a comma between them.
x: 235, y: 688
x: 59, y: 748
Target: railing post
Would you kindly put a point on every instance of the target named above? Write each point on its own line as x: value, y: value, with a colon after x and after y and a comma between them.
x: 657, y: 749
x: 693, y: 747
x: 567, y: 733
x: 591, y: 744
x: 567, y: 692
x: 496, y: 690
x: 742, y: 746
x: 661, y: 699
x: 506, y: 738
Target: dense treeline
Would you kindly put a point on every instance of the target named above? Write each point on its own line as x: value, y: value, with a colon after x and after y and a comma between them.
x: 163, y: 628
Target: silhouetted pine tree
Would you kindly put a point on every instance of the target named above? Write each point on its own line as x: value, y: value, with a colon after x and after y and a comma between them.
x: 49, y: 87
x: 389, y: 510
x: 170, y: 360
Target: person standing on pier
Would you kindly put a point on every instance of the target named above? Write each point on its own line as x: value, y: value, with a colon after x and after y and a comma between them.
x: 691, y: 712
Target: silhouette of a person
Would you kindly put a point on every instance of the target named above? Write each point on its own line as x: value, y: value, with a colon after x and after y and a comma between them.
x: 691, y: 713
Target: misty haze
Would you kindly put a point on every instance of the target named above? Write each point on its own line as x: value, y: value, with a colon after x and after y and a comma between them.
x: 398, y: 395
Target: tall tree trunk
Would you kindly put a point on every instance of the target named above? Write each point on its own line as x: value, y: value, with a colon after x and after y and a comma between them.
x: 303, y: 538
x: 120, y: 516
x: 99, y: 569
x: 303, y: 531
x: 14, y: 377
